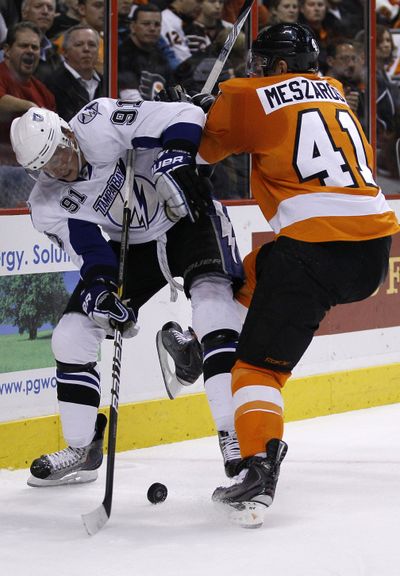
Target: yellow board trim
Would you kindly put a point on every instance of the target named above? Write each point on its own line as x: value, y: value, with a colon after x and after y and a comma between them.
x: 154, y: 422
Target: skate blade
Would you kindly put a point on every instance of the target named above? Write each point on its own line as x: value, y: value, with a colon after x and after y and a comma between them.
x: 78, y: 477
x: 173, y: 385
x: 244, y: 514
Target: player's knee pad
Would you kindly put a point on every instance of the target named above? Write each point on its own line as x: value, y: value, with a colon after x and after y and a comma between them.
x: 75, y: 345
x: 219, y: 349
x: 220, y: 339
x: 78, y: 384
x: 213, y: 305
x: 76, y: 339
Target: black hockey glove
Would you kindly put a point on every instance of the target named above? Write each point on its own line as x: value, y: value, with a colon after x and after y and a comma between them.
x: 101, y: 303
x: 181, y: 189
x: 173, y: 94
x: 179, y: 94
x: 204, y: 101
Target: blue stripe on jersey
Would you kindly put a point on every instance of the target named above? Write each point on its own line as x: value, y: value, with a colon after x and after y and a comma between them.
x: 88, y: 242
x: 146, y: 142
x: 183, y: 131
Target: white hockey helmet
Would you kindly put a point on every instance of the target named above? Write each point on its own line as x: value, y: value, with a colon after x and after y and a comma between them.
x: 35, y: 137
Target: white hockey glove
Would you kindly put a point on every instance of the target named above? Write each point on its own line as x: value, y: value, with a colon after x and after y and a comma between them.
x: 101, y: 303
x: 182, y: 190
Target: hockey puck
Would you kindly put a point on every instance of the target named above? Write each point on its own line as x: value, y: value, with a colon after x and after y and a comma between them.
x: 157, y: 493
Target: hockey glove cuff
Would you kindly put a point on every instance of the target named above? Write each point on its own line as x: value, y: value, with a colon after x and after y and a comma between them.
x: 181, y: 189
x: 178, y: 94
x: 204, y: 101
x: 173, y: 94
x: 101, y: 303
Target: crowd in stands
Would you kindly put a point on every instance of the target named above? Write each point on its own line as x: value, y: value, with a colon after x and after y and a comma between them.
x: 52, y: 55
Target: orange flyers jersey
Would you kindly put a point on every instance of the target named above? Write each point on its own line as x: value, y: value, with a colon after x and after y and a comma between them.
x: 311, y: 163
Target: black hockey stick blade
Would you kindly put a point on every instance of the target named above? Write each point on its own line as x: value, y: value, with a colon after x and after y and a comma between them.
x: 95, y: 520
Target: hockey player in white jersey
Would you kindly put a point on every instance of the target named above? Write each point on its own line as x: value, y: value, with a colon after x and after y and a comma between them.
x: 176, y: 230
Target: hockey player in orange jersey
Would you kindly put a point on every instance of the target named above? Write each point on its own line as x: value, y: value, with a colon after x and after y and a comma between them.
x: 312, y: 177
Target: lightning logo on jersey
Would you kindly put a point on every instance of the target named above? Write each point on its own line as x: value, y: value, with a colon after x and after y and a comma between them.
x: 89, y: 113
x: 226, y: 229
x: 110, y: 202
x: 140, y: 216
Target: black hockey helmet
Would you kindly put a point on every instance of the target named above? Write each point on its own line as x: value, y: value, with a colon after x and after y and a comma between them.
x: 293, y: 43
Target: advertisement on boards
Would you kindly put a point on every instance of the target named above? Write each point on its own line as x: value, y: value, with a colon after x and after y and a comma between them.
x: 37, y: 277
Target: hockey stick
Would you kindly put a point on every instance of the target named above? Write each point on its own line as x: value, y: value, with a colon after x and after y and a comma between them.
x: 227, y: 47
x: 96, y: 519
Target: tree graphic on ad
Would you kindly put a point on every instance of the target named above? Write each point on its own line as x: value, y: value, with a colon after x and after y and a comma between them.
x: 29, y: 302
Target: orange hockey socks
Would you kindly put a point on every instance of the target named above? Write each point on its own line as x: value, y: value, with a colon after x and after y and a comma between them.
x: 258, y: 406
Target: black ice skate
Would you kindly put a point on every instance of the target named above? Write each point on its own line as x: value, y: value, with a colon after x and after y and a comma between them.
x: 230, y: 450
x: 183, y: 350
x: 254, y: 487
x: 71, y: 465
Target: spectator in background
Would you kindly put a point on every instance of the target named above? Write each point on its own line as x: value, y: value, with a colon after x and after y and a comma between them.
x: 10, y: 11
x: 91, y: 13
x: 19, y: 91
x: 387, y: 12
x: 203, y: 31
x: 42, y: 13
x: 70, y: 17
x: 387, y: 112
x: 387, y: 107
x: 3, y: 29
x: 76, y: 82
x: 283, y: 11
x: 339, y: 21
x: 178, y: 14
x: 232, y: 9
x: 313, y: 13
x: 193, y: 72
x: 124, y: 10
x: 161, y: 4
x: 345, y: 64
x: 396, y: 22
x: 355, y: 10
x: 393, y: 67
x: 143, y: 70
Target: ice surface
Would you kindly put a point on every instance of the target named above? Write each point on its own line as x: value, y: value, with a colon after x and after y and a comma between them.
x: 336, y: 511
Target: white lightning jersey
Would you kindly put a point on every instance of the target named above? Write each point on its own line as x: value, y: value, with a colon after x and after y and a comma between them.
x: 73, y: 214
